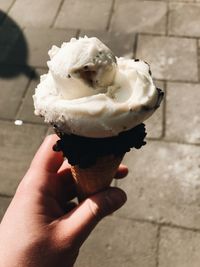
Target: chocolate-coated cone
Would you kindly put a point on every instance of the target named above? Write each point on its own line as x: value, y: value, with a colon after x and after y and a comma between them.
x: 97, y: 177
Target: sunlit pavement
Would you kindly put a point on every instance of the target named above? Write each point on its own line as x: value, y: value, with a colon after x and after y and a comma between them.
x: 160, y: 224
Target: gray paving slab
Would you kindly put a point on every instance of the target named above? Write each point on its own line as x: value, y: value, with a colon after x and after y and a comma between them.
x: 18, y: 145
x: 154, y: 125
x: 34, y: 13
x: 184, y: 1
x: 122, y: 44
x: 184, y: 19
x: 163, y: 184
x: 11, y: 92
x: 118, y: 242
x: 179, y: 248
x: 139, y: 16
x: 39, y: 41
x: 4, y: 203
x: 84, y: 14
x: 183, y: 99
x: 5, y: 4
x: 50, y: 130
x: 9, y: 35
x: 26, y: 110
x: 170, y: 58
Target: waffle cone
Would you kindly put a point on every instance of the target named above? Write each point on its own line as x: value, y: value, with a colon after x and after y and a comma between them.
x: 97, y: 177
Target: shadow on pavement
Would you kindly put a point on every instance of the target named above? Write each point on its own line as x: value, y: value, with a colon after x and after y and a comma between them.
x: 13, y: 50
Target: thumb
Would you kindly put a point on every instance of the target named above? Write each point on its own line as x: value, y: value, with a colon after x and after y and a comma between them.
x: 78, y: 224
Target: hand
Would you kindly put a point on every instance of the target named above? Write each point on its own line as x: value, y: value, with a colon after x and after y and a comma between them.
x: 41, y: 227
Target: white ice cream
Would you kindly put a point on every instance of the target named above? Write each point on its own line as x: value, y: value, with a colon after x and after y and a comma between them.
x: 90, y: 92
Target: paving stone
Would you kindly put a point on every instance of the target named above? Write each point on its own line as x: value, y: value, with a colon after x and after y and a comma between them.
x: 139, y: 16
x: 163, y: 184
x: 5, y: 4
x: 39, y: 41
x: 15, y: 50
x: 154, y: 125
x: 11, y: 93
x: 184, y: 19
x: 183, y: 1
x: 4, y: 203
x: 84, y: 14
x: 182, y: 112
x: 26, y: 111
x: 122, y: 44
x: 170, y: 57
x: 34, y: 13
x: 18, y: 145
x: 9, y: 35
x: 179, y: 248
x: 50, y: 130
x: 118, y: 242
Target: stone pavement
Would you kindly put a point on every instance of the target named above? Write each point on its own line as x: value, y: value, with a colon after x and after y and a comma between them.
x: 160, y: 224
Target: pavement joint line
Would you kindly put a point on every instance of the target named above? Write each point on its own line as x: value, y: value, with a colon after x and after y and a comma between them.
x: 11, y: 5
x: 23, y: 65
x: 135, y: 45
x: 181, y: 81
x: 158, y: 245
x: 157, y: 223
x: 16, y: 65
x: 168, y: 36
x: 184, y: 1
x: 110, y: 15
x: 164, y: 111
x: 6, y: 13
x: 167, y: 19
x: 198, y: 59
x: 24, y: 122
x: 169, y: 141
x: 78, y: 33
x: 40, y: 69
x: 183, y: 36
x: 57, y: 13
x: 6, y: 196
x: 22, y: 98
x: 135, y: 219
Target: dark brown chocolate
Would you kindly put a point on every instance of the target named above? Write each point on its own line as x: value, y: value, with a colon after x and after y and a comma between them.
x: 84, y: 151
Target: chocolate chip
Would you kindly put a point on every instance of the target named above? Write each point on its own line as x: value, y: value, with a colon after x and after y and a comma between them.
x: 69, y: 76
x: 136, y: 60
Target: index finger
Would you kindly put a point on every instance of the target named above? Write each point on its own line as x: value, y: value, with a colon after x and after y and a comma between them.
x: 46, y: 159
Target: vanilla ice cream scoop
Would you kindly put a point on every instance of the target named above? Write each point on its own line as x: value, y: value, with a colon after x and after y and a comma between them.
x: 82, y: 68
x: 89, y: 92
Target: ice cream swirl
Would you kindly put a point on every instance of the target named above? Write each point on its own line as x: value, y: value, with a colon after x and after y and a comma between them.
x: 89, y: 92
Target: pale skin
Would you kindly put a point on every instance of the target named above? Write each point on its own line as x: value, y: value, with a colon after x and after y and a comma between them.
x: 41, y: 227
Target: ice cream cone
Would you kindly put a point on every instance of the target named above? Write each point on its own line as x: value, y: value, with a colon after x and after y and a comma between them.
x: 96, y: 177
x: 96, y: 103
